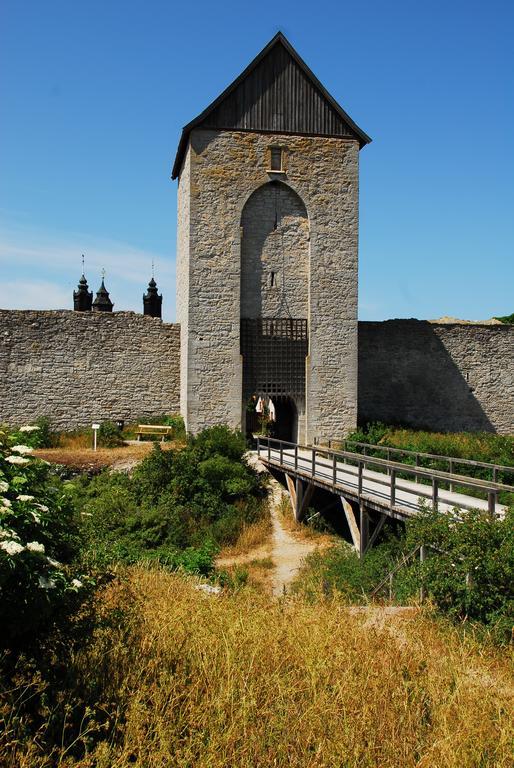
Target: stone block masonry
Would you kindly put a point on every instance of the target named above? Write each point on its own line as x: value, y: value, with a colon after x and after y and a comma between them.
x: 79, y: 367
x: 221, y: 170
x: 448, y: 377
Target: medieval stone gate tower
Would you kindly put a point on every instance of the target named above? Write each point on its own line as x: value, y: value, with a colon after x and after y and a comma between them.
x: 267, y: 252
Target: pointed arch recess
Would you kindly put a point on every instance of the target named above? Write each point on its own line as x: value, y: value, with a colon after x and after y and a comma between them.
x: 274, y: 253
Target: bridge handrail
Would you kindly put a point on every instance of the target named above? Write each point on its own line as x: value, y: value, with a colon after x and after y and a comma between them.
x: 463, y: 480
x: 419, y: 454
x: 492, y: 489
x: 421, y: 548
x: 399, y: 565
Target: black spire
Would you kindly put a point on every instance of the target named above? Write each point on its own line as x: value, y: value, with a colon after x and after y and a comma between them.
x: 152, y: 301
x: 82, y: 298
x: 102, y: 303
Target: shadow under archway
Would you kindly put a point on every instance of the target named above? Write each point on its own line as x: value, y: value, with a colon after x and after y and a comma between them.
x: 285, y: 427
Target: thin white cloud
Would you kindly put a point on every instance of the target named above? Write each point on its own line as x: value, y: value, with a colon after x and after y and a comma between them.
x: 49, y: 266
x: 36, y: 294
x: 62, y: 253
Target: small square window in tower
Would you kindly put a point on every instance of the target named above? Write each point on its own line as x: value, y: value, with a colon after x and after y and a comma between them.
x: 276, y: 159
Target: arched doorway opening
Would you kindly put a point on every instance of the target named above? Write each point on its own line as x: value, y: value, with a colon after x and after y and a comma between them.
x: 285, y: 426
x: 274, y: 302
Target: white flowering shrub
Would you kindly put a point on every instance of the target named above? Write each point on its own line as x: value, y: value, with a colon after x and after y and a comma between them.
x: 37, y: 435
x: 38, y: 540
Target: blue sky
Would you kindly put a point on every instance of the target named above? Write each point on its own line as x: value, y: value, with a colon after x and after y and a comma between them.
x: 93, y: 96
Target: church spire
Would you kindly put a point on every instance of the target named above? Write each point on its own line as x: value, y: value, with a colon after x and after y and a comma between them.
x: 152, y: 301
x: 82, y: 297
x: 102, y: 303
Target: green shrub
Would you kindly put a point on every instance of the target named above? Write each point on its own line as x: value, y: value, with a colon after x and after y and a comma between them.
x: 340, y: 568
x: 38, y: 541
x: 469, y: 571
x: 373, y: 433
x: 507, y: 319
x: 219, y: 441
x: 109, y: 435
x: 36, y: 435
x: 46, y: 437
x: 177, y: 422
x: 176, y: 500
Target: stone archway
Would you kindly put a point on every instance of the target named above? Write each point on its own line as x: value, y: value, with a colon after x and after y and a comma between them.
x: 274, y: 254
x: 285, y: 426
x: 274, y: 302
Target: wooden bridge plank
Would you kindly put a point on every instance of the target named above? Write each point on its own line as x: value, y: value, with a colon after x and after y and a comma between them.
x: 375, y: 491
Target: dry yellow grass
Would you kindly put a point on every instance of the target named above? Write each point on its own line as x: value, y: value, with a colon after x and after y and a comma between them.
x: 253, y: 536
x: 301, y: 530
x: 82, y: 458
x: 251, y: 554
x: 244, y: 681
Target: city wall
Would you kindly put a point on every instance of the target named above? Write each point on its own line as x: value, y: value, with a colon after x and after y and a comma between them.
x: 80, y: 367
x: 447, y: 377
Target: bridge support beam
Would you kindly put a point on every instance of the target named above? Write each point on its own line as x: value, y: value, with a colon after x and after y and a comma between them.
x: 300, y: 494
x: 378, y: 528
x: 352, y: 523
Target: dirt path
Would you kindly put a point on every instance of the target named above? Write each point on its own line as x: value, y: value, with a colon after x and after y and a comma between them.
x: 287, y: 548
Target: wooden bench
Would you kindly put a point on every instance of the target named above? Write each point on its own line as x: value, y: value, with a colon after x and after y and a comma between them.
x: 157, y: 430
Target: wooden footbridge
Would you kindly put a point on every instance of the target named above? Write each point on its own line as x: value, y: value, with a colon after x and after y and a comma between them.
x: 372, y: 489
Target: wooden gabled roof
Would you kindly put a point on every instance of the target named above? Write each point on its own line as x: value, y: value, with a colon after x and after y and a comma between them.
x: 276, y: 93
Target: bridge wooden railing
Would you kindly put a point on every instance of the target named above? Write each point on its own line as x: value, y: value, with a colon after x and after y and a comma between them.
x: 451, y: 461
x: 310, y: 455
x: 404, y: 560
x: 388, y: 580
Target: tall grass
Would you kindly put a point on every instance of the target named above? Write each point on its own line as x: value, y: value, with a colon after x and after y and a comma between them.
x: 477, y: 446
x: 175, y: 677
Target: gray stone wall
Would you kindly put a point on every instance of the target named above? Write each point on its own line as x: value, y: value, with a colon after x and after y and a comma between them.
x: 182, y: 278
x: 441, y: 377
x: 81, y: 367
x: 224, y: 169
x: 274, y: 254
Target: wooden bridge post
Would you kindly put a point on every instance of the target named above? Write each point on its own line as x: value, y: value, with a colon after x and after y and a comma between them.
x: 352, y: 523
x: 364, y: 530
x: 422, y: 590
x: 299, y: 496
x: 299, y: 499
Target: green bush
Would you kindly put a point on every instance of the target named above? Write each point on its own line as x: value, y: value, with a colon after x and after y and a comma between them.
x: 469, y: 570
x: 37, y: 435
x: 507, y: 319
x: 341, y: 569
x: 219, y: 441
x: 38, y: 541
x: 373, y: 433
x: 109, y: 435
x: 176, y: 500
x: 177, y: 422
x: 468, y: 573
